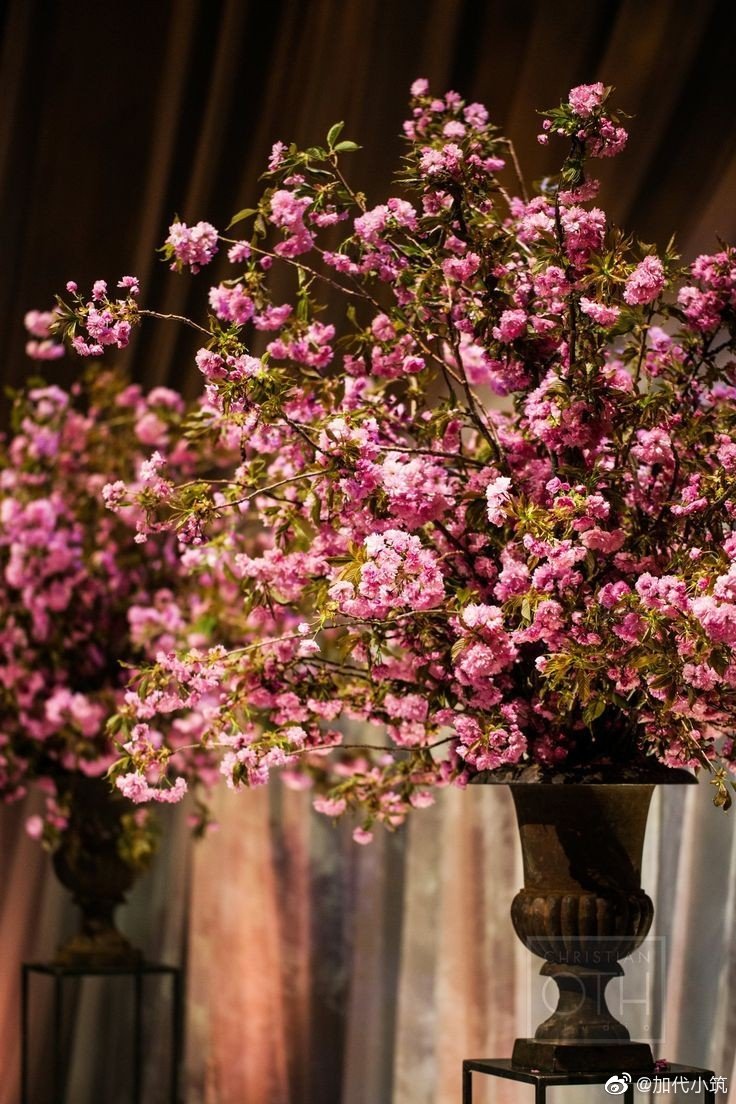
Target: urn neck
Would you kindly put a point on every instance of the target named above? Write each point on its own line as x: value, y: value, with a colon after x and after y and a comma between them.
x: 582, y: 837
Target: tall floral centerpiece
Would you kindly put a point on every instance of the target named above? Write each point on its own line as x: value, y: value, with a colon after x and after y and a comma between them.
x: 83, y: 599
x: 487, y: 459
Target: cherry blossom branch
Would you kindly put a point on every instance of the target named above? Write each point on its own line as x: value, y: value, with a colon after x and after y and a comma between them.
x: 356, y: 294
x: 387, y: 749
x: 173, y: 318
x: 270, y: 487
x: 357, y: 200
x: 415, y: 450
x: 517, y: 168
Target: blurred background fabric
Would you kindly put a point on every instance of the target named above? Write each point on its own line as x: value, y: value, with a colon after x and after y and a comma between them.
x: 320, y: 972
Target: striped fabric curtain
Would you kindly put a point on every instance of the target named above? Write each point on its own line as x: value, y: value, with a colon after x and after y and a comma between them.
x: 319, y: 971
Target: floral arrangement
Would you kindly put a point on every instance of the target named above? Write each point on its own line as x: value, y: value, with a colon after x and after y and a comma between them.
x: 84, y: 596
x: 486, y: 488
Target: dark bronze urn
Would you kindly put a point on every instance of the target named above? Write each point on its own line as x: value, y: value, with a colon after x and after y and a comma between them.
x: 89, y: 862
x: 582, y: 909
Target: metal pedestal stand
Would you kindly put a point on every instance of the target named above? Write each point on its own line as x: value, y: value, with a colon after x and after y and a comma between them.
x: 137, y: 973
x: 687, y: 1078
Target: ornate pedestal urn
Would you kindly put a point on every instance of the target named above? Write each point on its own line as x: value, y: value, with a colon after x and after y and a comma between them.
x: 89, y: 862
x: 582, y: 910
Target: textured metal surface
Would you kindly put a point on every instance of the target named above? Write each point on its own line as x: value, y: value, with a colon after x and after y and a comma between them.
x: 582, y: 926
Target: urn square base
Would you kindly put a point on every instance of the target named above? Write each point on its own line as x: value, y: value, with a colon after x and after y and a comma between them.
x: 106, y: 949
x: 548, y: 1056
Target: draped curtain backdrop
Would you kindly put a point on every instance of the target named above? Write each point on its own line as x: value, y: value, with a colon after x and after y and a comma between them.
x: 318, y: 972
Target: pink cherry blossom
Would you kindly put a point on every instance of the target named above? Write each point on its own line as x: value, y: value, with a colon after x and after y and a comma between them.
x: 585, y: 98
x: 646, y: 282
x: 192, y: 246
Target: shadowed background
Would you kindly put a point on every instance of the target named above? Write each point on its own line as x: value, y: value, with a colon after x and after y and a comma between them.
x: 115, y: 117
x: 318, y: 972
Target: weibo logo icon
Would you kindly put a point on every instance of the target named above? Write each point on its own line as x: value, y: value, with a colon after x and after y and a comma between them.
x: 618, y: 1084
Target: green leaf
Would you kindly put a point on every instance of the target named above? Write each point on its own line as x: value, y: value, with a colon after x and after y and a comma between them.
x: 722, y: 799
x: 302, y: 309
x: 301, y: 527
x: 334, y: 133
x: 593, y: 711
x: 241, y: 215
x: 346, y: 147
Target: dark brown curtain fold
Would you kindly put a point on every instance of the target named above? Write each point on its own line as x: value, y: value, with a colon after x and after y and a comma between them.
x: 115, y: 117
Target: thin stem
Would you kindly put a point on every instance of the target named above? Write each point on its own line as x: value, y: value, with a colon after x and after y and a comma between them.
x: 384, y: 748
x: 436, y: 452
x: 453, y: 540
x: 357, y: 200
x: 339, y: 668
x: 572, y: 327
x: 360, y: 293
x: 209, y: 482
x: 517, y: 169
x: 302, y: 433
x: 642, y: 349
x: 473, y: 404
x: 175, y: 318
x: 312, y: 272
x: 317, y: 626
x: 270, y: 487
x: 386, y: 621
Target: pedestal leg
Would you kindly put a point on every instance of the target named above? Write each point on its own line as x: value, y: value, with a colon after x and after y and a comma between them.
x: 24, y: 1030
x: 137, y: 1036
x: 467, y: 1085
x: 59, y: 1087
x: 177, y: 1030
x: 540, y: 1092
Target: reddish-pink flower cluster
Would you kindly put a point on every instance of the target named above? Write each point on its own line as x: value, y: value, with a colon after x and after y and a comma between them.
x: 191, y: 246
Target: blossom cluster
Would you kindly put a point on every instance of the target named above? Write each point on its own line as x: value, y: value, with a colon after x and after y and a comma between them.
x: 586, y: 119
x: 79, y: 596
x: 89, y: 326
x: 483, y: 508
